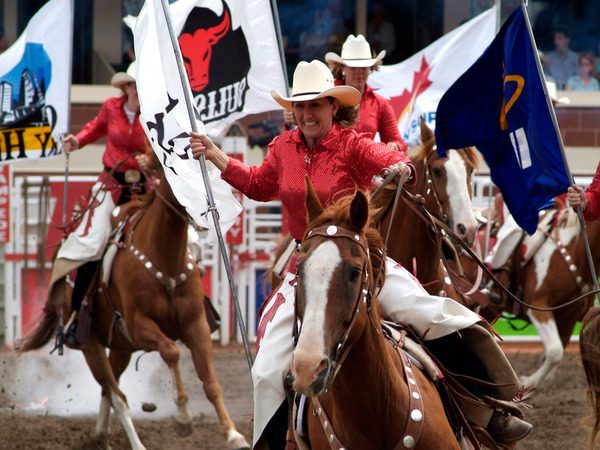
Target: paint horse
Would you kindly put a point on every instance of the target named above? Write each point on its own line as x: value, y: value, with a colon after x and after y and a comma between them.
x: 443, y: 188
x: 556, y: 273
x: 362, y: 392
x: 153, y: 298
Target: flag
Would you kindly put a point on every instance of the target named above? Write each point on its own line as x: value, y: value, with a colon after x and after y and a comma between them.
x: 165, y: 119
x: 415, y: 86
x: 35, y: 83
x: 231, y: 57
x: 500, y: 106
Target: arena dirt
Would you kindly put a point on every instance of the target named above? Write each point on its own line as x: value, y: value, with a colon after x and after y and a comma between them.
x: 559, y: 413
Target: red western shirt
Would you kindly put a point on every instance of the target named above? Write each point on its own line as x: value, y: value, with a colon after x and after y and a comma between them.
x: 377, y: 115
x: 124, y: 139
x: 343, y: 161
x: 592, y: 212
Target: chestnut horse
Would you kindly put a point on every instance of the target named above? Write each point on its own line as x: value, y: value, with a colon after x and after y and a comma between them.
x: 362, y: 392
x: 444, y: 185
x: 153, y: 298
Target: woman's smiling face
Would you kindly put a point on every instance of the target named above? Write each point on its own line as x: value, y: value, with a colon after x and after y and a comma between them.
x: 315, y: 118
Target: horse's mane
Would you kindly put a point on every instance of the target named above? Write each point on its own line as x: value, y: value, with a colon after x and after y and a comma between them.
x: 339, y: 213
x: 422, y: 151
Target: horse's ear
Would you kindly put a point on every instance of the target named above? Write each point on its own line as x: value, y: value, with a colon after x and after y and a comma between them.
x: 426, y: 132
x: 359, y: 210
x: 313, y: 204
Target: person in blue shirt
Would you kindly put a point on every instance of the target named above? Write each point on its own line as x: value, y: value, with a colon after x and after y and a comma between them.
x: 584, y: 80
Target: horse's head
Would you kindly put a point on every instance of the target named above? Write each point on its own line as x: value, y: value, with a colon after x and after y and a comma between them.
x: 333, y: 288
x: 446, y: 184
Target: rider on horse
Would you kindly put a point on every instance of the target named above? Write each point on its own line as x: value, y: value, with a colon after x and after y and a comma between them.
x: 124, y: 158
x: 339, y: 159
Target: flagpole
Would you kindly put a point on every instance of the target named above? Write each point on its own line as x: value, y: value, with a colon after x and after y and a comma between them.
x: 275, y: 14
x: 488, y: 227
x: 68, y: 119
x: 61, y: 319
x: 211, y: 201
x: 562, y: 149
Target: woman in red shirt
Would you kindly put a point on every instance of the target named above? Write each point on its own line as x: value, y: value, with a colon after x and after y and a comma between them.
x: 118, y: 121
x: 352, y: 68
x: 338, y: 161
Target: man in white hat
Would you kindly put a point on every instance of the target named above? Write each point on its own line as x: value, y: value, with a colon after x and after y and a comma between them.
x: 352, y: 68
x: 125, y: 153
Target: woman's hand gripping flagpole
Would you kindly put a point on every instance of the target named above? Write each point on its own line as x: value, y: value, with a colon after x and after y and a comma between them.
x: 211, y: 202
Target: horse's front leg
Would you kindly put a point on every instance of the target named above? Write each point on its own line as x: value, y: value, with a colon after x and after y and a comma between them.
x: 196, y: 336
x: 98, y: 362
x: 118, y: 363
x: 150, y: 338
x: 546, y: 327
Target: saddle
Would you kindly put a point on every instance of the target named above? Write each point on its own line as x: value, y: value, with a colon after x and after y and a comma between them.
x: 512, y: 274
x: 462, y: 407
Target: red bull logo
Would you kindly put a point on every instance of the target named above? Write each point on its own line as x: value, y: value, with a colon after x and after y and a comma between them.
x: 217, y: 62
x: 198, y: 51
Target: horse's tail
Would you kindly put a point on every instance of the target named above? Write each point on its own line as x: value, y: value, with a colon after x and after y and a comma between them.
x: 589, y: 347
x: 43, y: 332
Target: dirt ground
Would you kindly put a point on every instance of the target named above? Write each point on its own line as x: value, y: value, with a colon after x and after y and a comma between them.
x: 28, y: 421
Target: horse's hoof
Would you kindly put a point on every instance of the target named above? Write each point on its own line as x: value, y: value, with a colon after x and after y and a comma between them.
x: 100, y: 442
x: 236, y: 441
x: 528, y: 381
x: 183, y: 429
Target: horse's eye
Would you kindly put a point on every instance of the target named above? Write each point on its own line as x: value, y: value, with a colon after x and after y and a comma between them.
x: 354, y: 274
x: 437, y: 172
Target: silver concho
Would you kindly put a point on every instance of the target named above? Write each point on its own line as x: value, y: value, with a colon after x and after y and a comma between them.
x: 132, y: 176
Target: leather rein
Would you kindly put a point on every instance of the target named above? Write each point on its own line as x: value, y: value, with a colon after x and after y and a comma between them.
x: 441, y: 230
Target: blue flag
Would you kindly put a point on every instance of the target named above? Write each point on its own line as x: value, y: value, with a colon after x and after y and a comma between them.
x: 499, y: 106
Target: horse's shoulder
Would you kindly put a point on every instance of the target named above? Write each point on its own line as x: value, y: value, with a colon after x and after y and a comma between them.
x: 122, y: 212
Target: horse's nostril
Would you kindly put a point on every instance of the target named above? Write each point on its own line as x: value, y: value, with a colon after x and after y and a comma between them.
x: 462, y: 230
x: 323, y: 366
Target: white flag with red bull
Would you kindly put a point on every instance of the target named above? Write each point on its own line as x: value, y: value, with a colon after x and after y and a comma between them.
x: 415, y: 86
x: 231, y: 57
x: 165, y: 119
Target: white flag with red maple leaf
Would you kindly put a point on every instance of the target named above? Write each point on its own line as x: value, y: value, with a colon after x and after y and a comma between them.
x: 415, y: 86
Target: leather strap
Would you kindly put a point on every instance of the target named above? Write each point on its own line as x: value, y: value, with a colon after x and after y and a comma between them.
x: 416, y: 413
x: 332, y: 439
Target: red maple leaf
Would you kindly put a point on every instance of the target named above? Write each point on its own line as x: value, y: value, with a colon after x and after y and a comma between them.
x: 403, y: 102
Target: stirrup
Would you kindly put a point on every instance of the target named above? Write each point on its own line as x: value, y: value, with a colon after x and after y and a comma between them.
x: 59, y: 341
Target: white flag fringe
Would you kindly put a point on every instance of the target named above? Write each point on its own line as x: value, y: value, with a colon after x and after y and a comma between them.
x: 415, y: 86
x: 165, y: 120
x: 35, y: 82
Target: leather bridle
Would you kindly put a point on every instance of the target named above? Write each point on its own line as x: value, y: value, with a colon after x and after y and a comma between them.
x: 364, y: 297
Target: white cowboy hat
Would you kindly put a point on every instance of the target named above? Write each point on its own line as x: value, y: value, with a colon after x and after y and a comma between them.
x: 314, y: 80
x: 120, y: 79
x: 356, y: 52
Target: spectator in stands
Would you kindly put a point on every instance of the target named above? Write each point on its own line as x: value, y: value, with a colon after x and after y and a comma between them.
x: 584, y: 80
x: 561, y: 63
x: 381, y: 32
